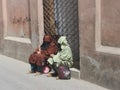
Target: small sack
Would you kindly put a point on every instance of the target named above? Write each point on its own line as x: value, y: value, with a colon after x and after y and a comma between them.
x: 64, y: 72
x: 46, y: 69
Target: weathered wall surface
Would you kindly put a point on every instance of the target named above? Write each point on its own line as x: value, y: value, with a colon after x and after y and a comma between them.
x: 99, y: 42
x: 20, y: 28
x: 1, y: 27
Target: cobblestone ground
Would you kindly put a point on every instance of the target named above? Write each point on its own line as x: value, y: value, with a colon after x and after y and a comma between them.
x: 13, y: 76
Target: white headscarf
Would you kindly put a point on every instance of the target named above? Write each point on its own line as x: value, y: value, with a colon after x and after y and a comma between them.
x: 63, y: 41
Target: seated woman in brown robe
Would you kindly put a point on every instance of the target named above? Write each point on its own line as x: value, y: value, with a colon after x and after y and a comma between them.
x: 42, y: 53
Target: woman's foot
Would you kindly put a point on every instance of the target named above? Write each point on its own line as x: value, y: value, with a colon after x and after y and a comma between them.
x: 57, y: 78
x: 30, y: 72
x: 37, y: 74
x: 49, y: 75
x: 52, y: 75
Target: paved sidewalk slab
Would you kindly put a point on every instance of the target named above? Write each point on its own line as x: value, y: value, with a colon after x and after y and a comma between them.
x: 13, y: 76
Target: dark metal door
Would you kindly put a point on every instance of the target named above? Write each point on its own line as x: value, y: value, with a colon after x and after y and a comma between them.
x: 61, y: 17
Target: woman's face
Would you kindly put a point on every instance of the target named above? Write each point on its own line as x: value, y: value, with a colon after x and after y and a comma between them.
x: 45, y: 45
x: 59, y: 47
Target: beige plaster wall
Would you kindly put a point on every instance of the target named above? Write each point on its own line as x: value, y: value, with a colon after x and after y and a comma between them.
x: 11, y: 43
x: 99, y: 42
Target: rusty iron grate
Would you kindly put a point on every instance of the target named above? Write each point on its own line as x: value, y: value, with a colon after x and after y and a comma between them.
x: 49, y: 21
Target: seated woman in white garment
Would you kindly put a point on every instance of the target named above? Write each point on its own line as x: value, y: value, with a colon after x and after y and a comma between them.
x: 63, y: 57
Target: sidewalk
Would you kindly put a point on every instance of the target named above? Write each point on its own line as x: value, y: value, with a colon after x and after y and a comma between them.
x: 13, y: 77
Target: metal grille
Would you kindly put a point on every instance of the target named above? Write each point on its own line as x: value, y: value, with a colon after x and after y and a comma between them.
x: 64, y: 21
x: 49, y: 21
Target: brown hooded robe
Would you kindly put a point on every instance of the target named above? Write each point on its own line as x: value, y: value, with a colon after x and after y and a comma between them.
x: 44, y: 54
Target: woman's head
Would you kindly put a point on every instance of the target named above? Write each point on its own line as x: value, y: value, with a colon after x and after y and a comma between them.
x: 47, y: 38
x: 46, y: 42
x: 62, y: 40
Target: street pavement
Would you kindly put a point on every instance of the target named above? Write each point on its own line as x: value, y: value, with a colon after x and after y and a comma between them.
x: 13, y: 76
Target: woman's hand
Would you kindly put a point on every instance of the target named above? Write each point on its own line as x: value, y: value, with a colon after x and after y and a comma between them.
x: 52, y: 55
x: 38, y: 51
